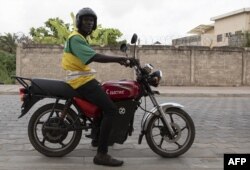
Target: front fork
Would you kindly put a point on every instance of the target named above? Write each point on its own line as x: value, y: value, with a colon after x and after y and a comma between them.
x: 163, y: 116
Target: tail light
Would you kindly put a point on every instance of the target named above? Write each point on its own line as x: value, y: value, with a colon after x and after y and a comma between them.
x: 22, y: 93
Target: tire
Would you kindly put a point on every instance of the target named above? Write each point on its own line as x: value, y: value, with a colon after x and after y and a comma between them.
x: 181, y: 148
x: 33, y: 134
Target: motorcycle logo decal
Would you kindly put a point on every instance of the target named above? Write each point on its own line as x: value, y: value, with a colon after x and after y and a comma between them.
x: 122, y: 110
x: 114, y: 92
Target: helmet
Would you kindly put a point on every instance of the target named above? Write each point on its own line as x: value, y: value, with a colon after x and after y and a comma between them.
x: 85, y: 12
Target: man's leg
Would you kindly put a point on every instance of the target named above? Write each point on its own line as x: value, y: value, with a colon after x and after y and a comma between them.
x: 93, y: 92
x: 95, y: 131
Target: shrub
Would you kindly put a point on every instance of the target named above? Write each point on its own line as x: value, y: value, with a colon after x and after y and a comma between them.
x: 7, y: 67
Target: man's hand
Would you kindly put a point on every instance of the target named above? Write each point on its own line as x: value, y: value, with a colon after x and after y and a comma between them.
x: 123, y: 61
x: 128, y: 62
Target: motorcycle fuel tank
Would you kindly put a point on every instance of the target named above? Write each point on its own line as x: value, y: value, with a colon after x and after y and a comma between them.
x: 122, y: 90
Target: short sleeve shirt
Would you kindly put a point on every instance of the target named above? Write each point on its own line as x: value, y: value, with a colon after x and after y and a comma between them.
x: 80, y: 48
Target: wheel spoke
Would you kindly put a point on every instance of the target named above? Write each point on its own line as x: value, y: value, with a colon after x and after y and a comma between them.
x: 183, y: 128
x: 157, y: 123
x: 63, y: 145
x: 161, y: 142
x: 179, y: 146
x: 43, y: 141
x: 57, y: 114
x: 40, y: 122
x: 69, y: 120
x: 50, y: 116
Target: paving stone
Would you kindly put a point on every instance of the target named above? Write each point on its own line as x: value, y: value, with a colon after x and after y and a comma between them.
x: 222, y: 126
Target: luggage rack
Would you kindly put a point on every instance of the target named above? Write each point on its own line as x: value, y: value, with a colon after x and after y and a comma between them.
x: 21, y: 80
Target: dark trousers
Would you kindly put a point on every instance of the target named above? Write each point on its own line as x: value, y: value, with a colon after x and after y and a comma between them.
x: 93, y: 92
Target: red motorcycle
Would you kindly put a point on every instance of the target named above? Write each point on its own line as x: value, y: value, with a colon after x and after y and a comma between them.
x: 55, y: 129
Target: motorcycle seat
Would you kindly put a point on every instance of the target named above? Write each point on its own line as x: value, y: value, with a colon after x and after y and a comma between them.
x: 52, y: 88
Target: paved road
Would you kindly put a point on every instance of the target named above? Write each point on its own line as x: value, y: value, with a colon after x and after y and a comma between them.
x: 222, y: 126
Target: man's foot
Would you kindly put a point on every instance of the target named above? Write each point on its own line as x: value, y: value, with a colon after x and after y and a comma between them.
x: 107, y: 160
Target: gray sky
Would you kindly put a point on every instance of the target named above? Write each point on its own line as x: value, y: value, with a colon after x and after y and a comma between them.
x: 152, y: 20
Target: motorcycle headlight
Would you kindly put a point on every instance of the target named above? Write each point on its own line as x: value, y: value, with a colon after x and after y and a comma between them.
x: 148, y: 68
x: 155, y: 78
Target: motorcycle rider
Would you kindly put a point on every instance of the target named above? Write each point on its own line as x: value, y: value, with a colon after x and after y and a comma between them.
x: 77, y: 55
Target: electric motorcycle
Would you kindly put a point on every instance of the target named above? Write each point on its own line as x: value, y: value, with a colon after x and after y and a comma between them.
x: 55, y: 129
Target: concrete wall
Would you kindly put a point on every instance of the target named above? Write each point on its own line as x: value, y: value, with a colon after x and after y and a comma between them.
x: 174, y: 63
x: 217, y: 67
x: 182, y: 66
x: 39, y: 61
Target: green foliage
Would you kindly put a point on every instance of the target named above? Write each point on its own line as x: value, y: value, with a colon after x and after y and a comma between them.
x: 55, y: 31
x: 105, y: 36
x: 7, y: 67
x: 8, y: 42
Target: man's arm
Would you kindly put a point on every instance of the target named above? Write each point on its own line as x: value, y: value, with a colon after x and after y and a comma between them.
x: 87, y: 55
x: 107, y: 59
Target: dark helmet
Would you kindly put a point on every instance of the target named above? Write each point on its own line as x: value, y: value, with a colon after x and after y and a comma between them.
x: 85, y: 12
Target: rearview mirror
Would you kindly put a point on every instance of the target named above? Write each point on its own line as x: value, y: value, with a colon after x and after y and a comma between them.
x: 123, y: 47
x: 134, y: 39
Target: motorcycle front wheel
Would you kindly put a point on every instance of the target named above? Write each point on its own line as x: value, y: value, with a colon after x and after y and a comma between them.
x: 48, y: 132
x: 159, y: 139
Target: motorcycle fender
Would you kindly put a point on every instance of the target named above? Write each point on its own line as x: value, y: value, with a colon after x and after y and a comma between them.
x: 154, y: 111
x: 27, y: 104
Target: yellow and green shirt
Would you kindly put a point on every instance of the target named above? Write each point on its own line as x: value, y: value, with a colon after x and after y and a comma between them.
x: 77, y: 53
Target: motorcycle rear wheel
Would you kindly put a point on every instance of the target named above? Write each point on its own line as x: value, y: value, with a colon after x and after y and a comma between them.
x: 182, y: 125
x: 45, y: 140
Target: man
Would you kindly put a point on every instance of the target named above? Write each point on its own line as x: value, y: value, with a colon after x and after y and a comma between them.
x: 77, y: 55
